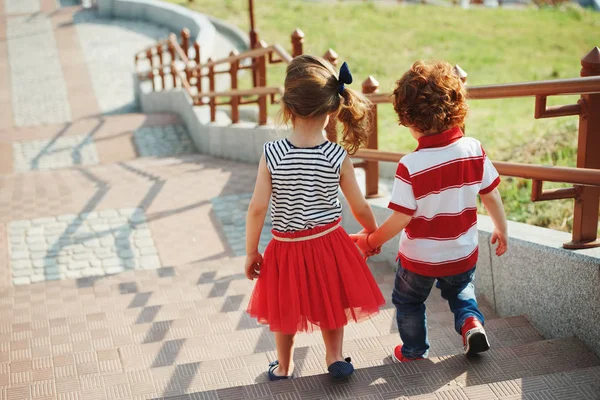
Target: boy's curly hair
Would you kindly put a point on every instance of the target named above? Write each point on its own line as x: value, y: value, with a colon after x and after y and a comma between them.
x: 430, y: 98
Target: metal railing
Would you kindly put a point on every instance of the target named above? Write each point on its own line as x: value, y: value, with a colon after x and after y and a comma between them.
x: 170, y: 60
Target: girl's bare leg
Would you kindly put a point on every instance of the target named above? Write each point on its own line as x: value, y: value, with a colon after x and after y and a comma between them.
x: 333, y: 340
x: 285, y: 350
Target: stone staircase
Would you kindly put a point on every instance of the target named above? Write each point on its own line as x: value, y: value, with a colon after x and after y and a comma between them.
x: 182, y: 333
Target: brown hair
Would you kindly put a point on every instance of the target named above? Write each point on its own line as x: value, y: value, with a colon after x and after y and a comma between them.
x: 430, y: 98
x: 312, y: 89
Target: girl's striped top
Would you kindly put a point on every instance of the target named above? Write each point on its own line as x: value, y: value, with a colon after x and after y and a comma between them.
x: 304, y: 184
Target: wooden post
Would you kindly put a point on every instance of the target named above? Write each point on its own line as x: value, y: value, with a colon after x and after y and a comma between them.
x: 197, y: 53
x: 235, y: 100
x: 253, y: 32
x: 463, y: 77
x: 174, y: 74
x: 151, y: 76
x: 161, y: 73
x: 261, y: 81
x: 370, y: 85
x: 297, y: 43
x: 185, y: 41
x: 211, y: 87
x: 159, y: 51
x: 150, y: 58
x: 331, y: 56
x: 585, y: 215
x: 171, y: 50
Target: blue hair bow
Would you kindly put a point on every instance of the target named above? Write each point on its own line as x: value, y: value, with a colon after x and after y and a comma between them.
x: 345, y: 77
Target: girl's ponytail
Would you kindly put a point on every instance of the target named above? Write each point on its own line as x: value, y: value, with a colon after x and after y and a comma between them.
x: 354, y: 115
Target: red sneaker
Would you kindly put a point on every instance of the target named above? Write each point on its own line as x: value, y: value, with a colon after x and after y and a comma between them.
x: 474, y: 337
x: 398, y: 356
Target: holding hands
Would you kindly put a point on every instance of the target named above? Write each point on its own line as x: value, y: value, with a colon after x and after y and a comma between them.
x: 361, y: 239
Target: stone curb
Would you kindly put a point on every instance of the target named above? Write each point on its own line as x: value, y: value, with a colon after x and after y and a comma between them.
x: 172, y: 16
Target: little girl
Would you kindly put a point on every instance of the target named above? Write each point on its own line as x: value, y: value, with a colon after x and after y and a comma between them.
x: 312, y: 275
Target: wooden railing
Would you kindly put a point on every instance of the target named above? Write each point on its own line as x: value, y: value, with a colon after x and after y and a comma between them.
x: 170, y: 61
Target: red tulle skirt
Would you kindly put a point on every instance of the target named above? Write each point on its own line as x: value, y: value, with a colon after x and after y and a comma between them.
x: 320, y: 283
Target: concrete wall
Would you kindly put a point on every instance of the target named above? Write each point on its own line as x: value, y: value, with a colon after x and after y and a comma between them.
x: 158, y: 12
x: 558, y: 290
x: 240, y: 142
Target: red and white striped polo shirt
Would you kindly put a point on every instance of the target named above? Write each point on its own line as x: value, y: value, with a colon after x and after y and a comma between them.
x: 437, y: 185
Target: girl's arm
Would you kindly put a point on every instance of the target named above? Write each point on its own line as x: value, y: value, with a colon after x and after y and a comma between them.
x: 257, y: 210
x: 358, y: 204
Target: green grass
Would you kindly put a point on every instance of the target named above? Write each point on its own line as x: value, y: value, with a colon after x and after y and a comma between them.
x: 492, y: 45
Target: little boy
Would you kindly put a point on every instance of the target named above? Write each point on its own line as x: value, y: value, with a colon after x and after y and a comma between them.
x: 434, y: 200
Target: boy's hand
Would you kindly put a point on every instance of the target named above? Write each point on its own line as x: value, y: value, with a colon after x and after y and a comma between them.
x: 360, y: 239
x: 252, y: 266
x: 502, y: 238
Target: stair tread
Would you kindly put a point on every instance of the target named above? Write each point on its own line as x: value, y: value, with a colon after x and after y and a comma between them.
x: 426, y: 380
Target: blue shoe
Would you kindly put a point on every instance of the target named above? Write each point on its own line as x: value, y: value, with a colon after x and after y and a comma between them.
x: 272, y: 367
x: 341, y: 369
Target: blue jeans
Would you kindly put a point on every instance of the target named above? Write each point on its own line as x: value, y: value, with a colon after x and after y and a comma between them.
x: 410, y: 292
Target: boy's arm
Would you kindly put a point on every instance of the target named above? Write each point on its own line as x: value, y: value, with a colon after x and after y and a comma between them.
x: 257, y: 210
x: 390, y: 228
x: 358, y: 205
x: 492, y: 202
x: 404, y: 205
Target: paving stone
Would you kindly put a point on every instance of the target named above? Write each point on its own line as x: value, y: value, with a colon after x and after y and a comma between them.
x: 44, y: 262
x: 124, y: 254
x: 22, y: 272
x: 107, y: 241
x: 148, y: 251
x: 21, y: 6
x: 83, y: 256
x: 114, y: 270
x: 19, y: 255
x: 21, y: 281
x: 144, y: 242
x: 92, y: 243
x: 37, y: 278
x: 19, y: 224
x: 43, y: 221
x: 150, y: 262
x: 38, y: 246
x: 56, y: 153
x: 92, y: 272
x: 75, y: 274
x: 111, y: 262
x: 101, y: 228
x: 68, y: 218
x: 163, y: 141
x: 74, y: 265
x: 231, y: 212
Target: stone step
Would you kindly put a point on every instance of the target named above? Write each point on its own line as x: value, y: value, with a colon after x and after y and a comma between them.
x: 422, y: 380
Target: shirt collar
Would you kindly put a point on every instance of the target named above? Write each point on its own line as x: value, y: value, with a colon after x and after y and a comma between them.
x: 440, y: 139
